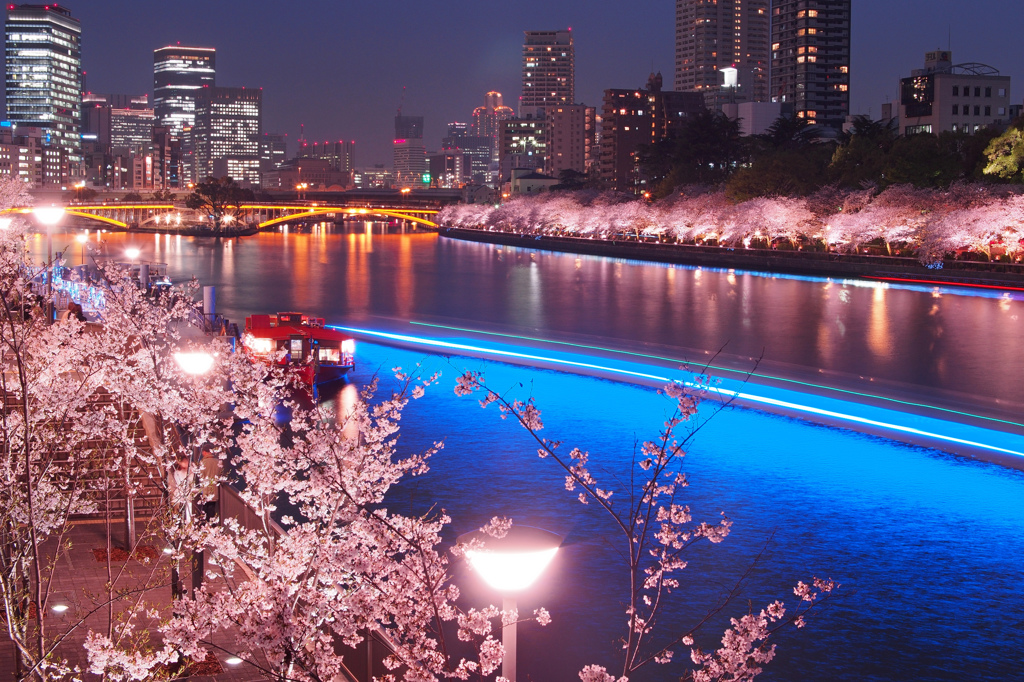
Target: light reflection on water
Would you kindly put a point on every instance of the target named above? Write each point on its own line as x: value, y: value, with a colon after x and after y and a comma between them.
x: 933, y: 341
x: 927, y: 545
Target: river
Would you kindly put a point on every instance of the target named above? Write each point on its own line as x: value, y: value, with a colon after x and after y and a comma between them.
x: 926, y: 545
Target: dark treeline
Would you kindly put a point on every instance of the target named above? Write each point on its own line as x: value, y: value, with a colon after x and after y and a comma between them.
x: 789, y: 159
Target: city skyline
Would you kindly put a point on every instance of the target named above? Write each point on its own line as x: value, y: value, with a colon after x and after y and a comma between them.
x: 352, y: 88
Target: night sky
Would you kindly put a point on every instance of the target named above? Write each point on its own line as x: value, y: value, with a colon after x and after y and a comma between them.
x: 339, y: 66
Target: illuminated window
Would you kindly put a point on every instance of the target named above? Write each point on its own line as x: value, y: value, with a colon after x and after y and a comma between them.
x: 844, y: 69
x: 801, y: 59
x: 812, y: 13
x: 812, y: 59
x: 775, y: 46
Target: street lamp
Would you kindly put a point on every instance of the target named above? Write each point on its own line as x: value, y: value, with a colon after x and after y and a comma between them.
x: 132, y: 253
x: 195, y: 363
x: 82, y: 239
x: 49, y: 216
x: 510, y: 564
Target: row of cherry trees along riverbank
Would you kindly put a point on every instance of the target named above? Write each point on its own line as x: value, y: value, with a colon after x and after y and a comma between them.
x: 92, y: 411
x: 930, y: 224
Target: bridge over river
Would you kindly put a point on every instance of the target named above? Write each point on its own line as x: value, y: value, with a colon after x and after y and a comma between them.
x: 257, y: 216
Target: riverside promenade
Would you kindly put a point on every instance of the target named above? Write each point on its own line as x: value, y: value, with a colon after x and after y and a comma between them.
x: 80, y: 583
x: 810, y: 263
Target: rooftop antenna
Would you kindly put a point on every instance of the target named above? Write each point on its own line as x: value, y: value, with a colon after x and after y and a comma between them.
x: 401, y: 101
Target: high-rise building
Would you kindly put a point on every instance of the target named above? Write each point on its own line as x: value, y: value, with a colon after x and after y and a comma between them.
x: 722, y: 49
x: 132, y: 129
x: 273, y: 150
x: 632, y: 118
x: 524, y: 145
x: 44, y: 82
x: 340, y: 154
x: 567, y: 139
x: 227, y: 134
x: 549, y: 70
x: 409, y: 154
x: 811, y: 59
x: 487, y: 120
x: 179, y: 73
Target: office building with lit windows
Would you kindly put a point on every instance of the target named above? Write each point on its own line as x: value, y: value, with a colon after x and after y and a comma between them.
x: 811, y: 59
x: 944, y: 96
x: 179, y: 73
x: 44, y: 82
x: 549, y: 70
x: 722, y: 49
x: 410, y: 156
x: 227, y: 134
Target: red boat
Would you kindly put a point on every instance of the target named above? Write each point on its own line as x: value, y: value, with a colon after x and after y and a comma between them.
x: 319, y: 355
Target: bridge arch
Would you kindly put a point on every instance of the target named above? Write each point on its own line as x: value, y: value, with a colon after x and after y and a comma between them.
x: 326, y: 210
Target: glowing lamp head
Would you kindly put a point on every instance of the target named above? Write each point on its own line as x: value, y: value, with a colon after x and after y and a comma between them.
x: 81, y: 238
x: 194, y: 363
x: 59, y: 608
x: 132, y: 253
x: 5, y: 223
x: 514, y: 562
x: 48, y: 215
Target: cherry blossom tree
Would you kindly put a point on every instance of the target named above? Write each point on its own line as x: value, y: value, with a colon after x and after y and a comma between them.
x: 656, y: 528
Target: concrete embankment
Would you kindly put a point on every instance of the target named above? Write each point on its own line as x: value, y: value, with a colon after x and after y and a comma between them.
x: 1009, y: 275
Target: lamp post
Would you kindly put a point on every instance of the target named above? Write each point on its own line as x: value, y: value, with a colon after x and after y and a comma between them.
x: 82, y: 239
x: 511, y: 564
x: 49, y: 216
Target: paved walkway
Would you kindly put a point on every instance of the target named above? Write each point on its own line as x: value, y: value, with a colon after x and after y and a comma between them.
x: 80, y: 582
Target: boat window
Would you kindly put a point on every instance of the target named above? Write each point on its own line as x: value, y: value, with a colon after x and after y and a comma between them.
x: 295, y: 348
x: 330, y: 355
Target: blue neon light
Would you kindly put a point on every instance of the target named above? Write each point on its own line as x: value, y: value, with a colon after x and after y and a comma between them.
x: 750, y: 397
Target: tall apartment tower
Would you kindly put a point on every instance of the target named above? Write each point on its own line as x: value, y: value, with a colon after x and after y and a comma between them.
x: 227, y: 134
x: 549, y: 71
x: 44, y: 82
x: 179, y: 73
x: 722, y: 49
x: 811, y: 58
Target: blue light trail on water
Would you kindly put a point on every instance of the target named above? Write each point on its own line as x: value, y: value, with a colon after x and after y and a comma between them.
x: 943, y: 434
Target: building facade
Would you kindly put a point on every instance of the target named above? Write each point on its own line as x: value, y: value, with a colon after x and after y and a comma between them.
x: 567, y: 139
x: 227, y: 133
x: 722, y: 49
x: 44, y: 82
x: 523, y: 145
x: 952, y: 97
x: 21, y: 153
x: 810, y: 66
x: 179, y: 74
x: 549, y: 70
x: 632, y: 118
x: 487, y: 120
x: 410, y: 156
x: 273, y: 150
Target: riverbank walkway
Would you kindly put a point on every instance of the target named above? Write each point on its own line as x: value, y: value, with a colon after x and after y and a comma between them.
x: 80, y: 583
